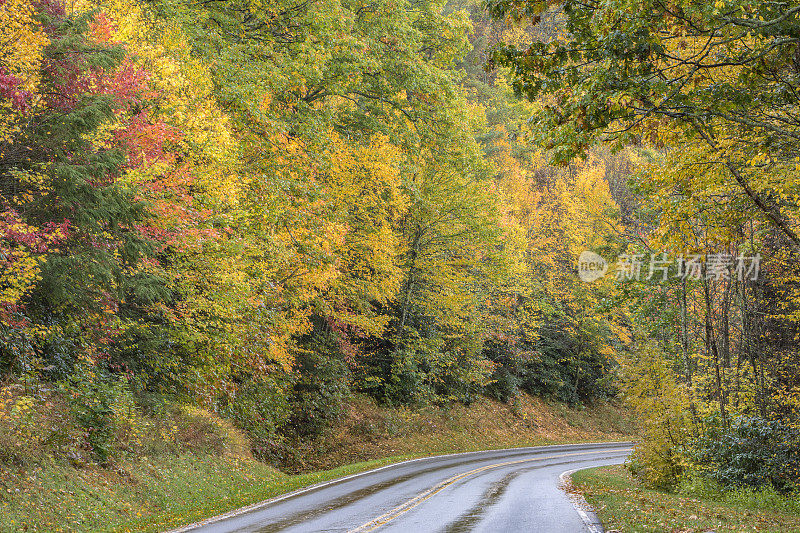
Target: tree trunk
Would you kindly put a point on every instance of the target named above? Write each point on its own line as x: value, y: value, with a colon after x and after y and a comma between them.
x: 712, y: 349
x: 685, y: 335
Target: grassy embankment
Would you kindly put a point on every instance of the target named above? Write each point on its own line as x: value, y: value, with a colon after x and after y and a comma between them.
x: 208, y: 468
x: 625, y: 506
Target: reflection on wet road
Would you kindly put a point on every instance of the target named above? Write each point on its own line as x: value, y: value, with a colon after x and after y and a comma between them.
x: 499, y: 490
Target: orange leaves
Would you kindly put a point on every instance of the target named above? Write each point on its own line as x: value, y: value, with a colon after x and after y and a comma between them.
x: 102, y: 29
x: 146, y: 140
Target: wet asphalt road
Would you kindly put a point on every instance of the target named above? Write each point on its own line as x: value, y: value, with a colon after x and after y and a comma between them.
x: 492, y: 491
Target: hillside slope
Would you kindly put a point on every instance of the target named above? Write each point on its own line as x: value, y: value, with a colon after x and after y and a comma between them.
x: 206, y: 467
x: 370, y: 431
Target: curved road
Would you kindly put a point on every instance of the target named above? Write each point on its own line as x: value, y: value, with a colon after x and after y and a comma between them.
x: 491, y: 491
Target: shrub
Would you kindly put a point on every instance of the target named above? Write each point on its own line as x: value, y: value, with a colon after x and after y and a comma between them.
x: 407, y: 383
x: 18, y: 427
x: 319, y: 395
x: 750, y: 452
x: 35, y: 421
x: 261, y: 408
x: 323, y: 384
x: 504, y: 384
x: 202, y: 432
x: 657, y: 463
x: 661, y: 407
x: 102, y: 404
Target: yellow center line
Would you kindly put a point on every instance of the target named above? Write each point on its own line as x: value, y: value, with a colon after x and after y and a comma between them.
x: 410, y: 504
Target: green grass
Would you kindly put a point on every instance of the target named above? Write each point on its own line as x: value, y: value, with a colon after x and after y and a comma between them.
x: 148, y: 495
x: 223, y: 489
x: 626, y: 506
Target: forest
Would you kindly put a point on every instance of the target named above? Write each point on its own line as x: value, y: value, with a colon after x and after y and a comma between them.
x: 262, y: 208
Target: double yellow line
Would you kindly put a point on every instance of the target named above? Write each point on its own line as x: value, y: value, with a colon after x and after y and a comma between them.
x: 410, y: 504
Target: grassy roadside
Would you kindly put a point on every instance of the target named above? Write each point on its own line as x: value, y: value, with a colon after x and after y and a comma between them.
x: 149, y: 494
x: 171, y: 488
x: 216, y: 486
x: 625, y: 506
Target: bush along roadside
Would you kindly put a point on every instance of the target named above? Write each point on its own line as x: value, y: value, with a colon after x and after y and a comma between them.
x: 750, y: 453
x: 743, y: 452
x: 736, y: 474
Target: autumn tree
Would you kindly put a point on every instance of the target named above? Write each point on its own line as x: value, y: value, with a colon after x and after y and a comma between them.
x: 720, y: 72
